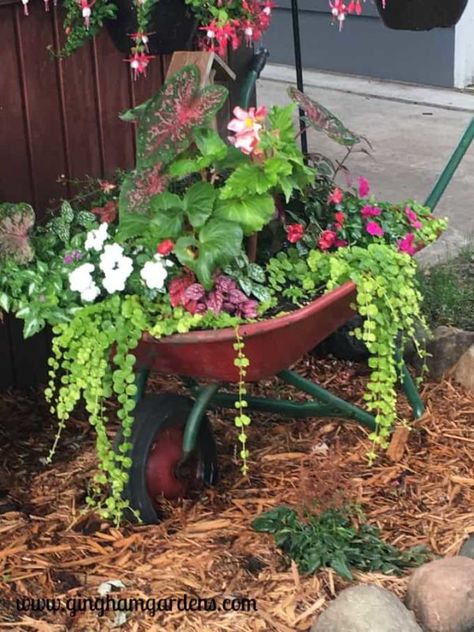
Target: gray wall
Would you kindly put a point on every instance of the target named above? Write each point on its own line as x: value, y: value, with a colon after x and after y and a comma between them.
x: 364, y: 47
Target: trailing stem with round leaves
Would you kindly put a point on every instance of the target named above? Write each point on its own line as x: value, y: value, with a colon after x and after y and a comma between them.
x: 80, y: 367
x: 389, y: 301
x: 241, y: 420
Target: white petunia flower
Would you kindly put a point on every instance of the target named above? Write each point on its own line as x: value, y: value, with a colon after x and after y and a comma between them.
x: 95, y: 238
x: 90, y: 294
x: 116, y: 268
x: 154, y: 272
x: 80, y: 278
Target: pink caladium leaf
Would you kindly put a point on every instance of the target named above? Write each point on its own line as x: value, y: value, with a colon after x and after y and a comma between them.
x: 16, y: 221
x: 321, y: 119
x: 139, y: 186
x: 166, y: 125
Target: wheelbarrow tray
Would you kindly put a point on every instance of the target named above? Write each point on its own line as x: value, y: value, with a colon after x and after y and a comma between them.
x: 270, y: 345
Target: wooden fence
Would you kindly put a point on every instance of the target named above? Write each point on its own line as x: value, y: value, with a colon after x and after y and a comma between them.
x: 58, y: 123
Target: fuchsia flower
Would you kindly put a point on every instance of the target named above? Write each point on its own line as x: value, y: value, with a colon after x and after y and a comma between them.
x: 374, y: 229
x: 294, y: 232
x: 412, y: 218
x: 339, y: 10
x: 370, y: 211
x: 327, y: 239
x: 364, y: 187
x: 247, y: 125
x: 139, y: 63
x: 407, y: 244
x: 336, y: 196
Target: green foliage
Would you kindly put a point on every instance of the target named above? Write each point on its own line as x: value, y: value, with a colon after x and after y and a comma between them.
x: 332, y: 539
x: 241, y: 420
x: 250, y: 276
x: 77, y: 33
x: 80, y: 367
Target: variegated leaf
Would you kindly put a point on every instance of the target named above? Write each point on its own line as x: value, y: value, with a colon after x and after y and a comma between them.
x: 321, y: 119
x: 16, y: 221
x: 167, y: 123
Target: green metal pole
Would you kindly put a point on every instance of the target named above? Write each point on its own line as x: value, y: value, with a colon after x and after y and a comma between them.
x: 195, y: 417
x: 353, y: 412
x: 450, y: 169
x: 141, y: 378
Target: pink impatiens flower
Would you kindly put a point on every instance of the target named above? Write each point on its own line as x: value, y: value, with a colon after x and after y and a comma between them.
x: 336, y: 196
x: 370, y: 211
x: 364, y: 187
x: 374, y: 229
x: 407, y: 244
x: 412, y: 218
x: 247, y: 125
x: 327, y: 240
x: 294, y: 232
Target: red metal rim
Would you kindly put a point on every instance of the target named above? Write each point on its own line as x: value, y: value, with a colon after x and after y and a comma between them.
x: 254, y: 329
x: 162, y: 479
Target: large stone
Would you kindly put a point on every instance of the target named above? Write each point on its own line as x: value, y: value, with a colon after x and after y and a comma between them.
x: 366, y: 608
x: 441, y: 594
x: 467, y: 549
x: 463, y: 372
x: 446, y: 347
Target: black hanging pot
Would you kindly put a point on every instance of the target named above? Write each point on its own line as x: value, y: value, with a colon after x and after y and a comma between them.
x: 420, y: 15
x: 171, y: 27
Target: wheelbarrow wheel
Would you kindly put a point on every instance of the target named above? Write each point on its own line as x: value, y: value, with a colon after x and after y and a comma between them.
x: 156, y: 453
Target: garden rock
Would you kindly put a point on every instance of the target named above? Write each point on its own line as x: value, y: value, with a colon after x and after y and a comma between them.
x: 467, y: 549
x: 446, y: 347
x: 463, y: 372
x: 441, y: 594
x: 366, y: 608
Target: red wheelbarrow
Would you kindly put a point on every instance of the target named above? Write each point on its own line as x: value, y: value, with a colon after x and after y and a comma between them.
x: 173, y: 448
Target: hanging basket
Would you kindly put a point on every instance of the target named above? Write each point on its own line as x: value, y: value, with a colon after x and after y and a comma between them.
x: 420, y: 15
x: 172, y: 27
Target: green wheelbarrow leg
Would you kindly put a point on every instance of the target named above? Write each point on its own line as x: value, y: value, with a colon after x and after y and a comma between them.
x: 450, y: 169
x: 141, y: 379
x: 195, y: 417
x: 320, y: 393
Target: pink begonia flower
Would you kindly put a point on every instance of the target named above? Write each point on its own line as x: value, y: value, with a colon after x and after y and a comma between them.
x: 336, y: 196
x: 327, y: 239
x: 406, y: 244
x: 246, y: 125
x: 364, y: 187
x: 374, y: 229
x: 412, y: 218
x: 370, y: 211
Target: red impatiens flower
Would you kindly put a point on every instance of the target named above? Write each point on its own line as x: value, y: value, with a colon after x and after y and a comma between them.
x: 327, y: 240
x: 336, y: 196
x: 370, y: 211
x: 165, y: 247
x: 294, y: 232
x: 374, y: 229
x: 340, y: 218
x: 407, y: 244
x: 412, y: 218
x: 364, y: 187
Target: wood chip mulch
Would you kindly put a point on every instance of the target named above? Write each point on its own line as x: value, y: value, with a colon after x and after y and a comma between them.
x: 205, y: 547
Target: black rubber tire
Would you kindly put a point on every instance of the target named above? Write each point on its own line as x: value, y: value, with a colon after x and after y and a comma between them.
x: 153, y: 414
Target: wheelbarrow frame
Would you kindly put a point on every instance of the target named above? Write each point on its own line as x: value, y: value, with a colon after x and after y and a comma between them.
x: 324, y: 403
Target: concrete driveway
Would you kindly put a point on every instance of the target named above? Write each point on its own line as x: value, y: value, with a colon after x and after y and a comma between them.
x: 413, y: 132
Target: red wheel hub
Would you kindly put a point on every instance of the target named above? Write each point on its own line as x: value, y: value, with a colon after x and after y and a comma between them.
x: 161, y: 468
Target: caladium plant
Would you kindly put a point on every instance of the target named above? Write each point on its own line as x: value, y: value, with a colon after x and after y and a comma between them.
x: 16, y: 221
x: 191, y: 187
